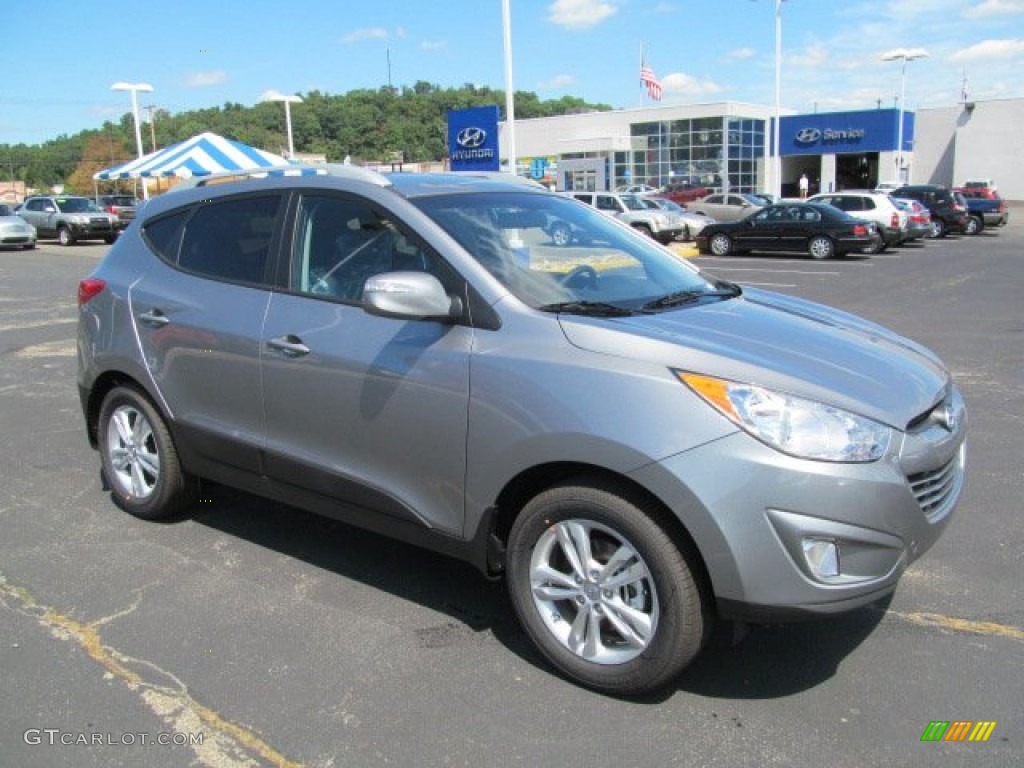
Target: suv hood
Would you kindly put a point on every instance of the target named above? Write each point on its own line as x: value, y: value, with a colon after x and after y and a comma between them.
x: 783, y: 343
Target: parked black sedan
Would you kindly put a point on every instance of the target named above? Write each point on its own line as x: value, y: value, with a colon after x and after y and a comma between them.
x: 818, y: 230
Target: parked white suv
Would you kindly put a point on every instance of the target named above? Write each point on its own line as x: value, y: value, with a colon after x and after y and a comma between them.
x: 871, y: 206
x: 663, y: 226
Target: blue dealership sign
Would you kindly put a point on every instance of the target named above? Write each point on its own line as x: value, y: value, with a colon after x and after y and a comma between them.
x: 834, y: 133
x: 473, y: 139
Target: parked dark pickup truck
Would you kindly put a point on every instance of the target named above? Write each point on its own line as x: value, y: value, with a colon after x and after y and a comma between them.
x: 984, y: 211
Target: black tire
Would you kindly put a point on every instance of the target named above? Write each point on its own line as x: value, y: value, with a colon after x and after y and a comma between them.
x: 64, y: 236
x: 561, y: 234
x: 880, y: 248
x: 109, y: 239
x: 821, y: 247
x: 139, y: 460
x: 648, y: 628
x: 720, y: 244
x: 643, y: 229
x: 29, y: 246
x: 939, y: 228
x: 974, y: 225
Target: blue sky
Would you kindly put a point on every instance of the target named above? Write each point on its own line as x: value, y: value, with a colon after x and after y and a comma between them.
x: 58, y: 72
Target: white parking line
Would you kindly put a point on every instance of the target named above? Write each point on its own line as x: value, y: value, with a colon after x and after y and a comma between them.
x: 777, y: 271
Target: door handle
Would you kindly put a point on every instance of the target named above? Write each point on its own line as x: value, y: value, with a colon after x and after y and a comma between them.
x: 291, y: 345
x: 155, y: 318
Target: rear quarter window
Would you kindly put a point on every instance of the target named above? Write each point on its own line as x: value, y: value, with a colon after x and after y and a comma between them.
x: 164, y: 235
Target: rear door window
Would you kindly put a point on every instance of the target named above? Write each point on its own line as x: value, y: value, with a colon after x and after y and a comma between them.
x: 230, y: 239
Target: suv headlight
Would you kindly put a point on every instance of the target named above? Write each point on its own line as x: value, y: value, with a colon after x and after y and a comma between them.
x: 793, y: 425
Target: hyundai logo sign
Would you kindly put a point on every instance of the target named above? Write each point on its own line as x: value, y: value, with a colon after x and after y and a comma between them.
x: 471, y: 137
x: 807, y: 135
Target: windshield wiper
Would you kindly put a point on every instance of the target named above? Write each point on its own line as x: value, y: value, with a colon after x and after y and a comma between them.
x: 593, y: 308
x: 688, y: 297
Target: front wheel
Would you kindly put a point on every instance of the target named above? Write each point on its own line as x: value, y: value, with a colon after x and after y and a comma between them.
x: 139, y: 459
x: 939, y: 228
x: 605, y: 593
x: 720, y: 245
x: 974, y: 225
x: 64, y: 236
x: 821, y: 248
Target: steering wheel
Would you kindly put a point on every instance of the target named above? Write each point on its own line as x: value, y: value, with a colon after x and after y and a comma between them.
x: 583, y: 272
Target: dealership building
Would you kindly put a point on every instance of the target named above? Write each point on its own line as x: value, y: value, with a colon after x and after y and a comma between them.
x: 728, y: 145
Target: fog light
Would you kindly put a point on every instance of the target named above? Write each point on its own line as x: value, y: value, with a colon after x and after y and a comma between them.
x: 822, y: 556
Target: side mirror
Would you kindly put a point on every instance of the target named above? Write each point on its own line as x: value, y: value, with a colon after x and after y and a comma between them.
x: 410, y: 296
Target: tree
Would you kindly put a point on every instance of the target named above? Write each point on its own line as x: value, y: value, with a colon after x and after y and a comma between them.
x: 99, y: 152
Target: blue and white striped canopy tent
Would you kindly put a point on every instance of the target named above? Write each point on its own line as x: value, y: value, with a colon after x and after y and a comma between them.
x: 199, y: 156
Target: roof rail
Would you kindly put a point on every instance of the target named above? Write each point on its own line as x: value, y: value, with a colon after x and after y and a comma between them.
x: 328, y: 169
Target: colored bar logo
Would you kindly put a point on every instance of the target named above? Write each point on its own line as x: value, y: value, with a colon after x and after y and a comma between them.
x: 958, y: 730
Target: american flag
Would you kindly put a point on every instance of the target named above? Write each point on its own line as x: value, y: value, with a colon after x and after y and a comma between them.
x: 648, y: 78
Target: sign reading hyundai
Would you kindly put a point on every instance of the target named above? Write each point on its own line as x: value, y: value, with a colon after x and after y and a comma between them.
x: 473, y: 139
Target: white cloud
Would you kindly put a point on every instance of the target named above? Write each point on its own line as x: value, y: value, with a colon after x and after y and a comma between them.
x: 682, y: 84
x: 433, y: 45
x: 813, y: 56
x: 579, y: 14
x: 205, y: 79
x: 369, y: 33
x: 995, y: 8
x: 740, y: 54
x: 557, y: 83
x: 991, y: 49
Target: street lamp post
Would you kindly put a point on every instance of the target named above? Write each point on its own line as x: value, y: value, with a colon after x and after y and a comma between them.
x: 135, y: 88
x: 902, y: 55
x: 288, y: 101
x: 776, y: 158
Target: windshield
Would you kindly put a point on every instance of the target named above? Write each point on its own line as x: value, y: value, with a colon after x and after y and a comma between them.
x: 76, y: 205
x: 557, y: 254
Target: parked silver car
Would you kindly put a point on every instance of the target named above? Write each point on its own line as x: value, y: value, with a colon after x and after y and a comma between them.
x: 15, y: 232
x: 728, y: 206
x: 637, y: 448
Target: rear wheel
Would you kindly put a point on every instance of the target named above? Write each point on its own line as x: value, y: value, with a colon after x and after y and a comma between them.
x: 938, y: 228
x: 561, y: 234
x: 139, y: 459
x: 644, y: 230
x: 974, y: 225
x: 603, y: 591
x: 720, y: 244
x: 821, y: 247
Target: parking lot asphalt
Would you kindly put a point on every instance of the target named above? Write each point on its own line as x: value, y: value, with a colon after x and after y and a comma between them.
x: 252, y: 634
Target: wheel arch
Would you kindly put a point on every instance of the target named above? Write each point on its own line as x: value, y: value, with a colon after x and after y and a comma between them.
x: 534, y: 480
x: 98, y: 392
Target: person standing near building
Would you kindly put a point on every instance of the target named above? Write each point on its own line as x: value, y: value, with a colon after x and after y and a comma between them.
x: 804, y: 186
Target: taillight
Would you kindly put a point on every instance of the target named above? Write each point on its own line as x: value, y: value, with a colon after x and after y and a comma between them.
x: 110, y: 209
x: 860, y: 229
x: 894, y: 222
x: 89, y: 288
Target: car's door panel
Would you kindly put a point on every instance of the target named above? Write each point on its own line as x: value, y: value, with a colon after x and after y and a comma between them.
x: 198, y: 320
x: 368, y: 409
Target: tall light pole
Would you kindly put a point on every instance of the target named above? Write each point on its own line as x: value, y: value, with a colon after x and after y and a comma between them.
x: 288, y: 101
x: 775, y: 162
x: 510, y: 110
x: 903, y: 55
x: 776, y: 158
x: 135, y: 88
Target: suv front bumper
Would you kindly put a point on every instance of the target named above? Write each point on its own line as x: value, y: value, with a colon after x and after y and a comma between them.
x: 760, y: 518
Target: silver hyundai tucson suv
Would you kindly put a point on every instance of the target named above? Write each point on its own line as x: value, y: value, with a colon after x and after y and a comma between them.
x: 636, y: 447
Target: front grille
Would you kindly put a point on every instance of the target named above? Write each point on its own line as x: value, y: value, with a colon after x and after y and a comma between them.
x: 937, y: 489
